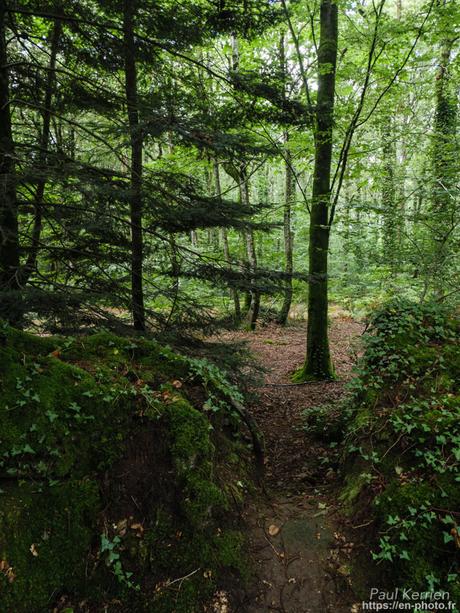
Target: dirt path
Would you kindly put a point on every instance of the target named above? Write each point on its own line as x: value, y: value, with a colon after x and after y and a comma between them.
x: 299, y: 554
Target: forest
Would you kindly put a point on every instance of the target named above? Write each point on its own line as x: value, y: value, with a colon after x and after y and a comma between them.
x: 229, y: 306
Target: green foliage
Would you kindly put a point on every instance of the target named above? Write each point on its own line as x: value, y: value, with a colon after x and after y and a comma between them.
x: 72, y: 409
x: 324, y: 421
x: 403, y: 439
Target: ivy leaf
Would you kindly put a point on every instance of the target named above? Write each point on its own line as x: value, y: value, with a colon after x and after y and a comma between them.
x: 51, y: 416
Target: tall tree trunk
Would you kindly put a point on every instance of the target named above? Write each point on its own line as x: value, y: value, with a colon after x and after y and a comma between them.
x: 228, y: 260
x: 254, y: 306
x: 390, y: 209
x: 137, y: 293
x: 444, y: 166
x: 251, y: 298
x: 289, y: 194
x: 213, y: 233
x: 318, y: 364
x: 346, y: 221
x: 9, y: 235
x: 31, y: 262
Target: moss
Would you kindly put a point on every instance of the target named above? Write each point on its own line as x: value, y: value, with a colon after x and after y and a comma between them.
x: 45, y: 536
x: 193, y: 545
x: 197, y: 561
x: 423, y: 532
x: 192, y: 452
x: 71, y: 411
x: 48, y: 413
x: 309, y: 373
x: 354, y: 484
x: 397, y: 498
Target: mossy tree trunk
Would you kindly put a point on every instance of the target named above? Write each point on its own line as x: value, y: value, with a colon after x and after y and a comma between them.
x: 9, y: 235
x: 318, y: 364
x: 136, y: 141
x: 444, y: 164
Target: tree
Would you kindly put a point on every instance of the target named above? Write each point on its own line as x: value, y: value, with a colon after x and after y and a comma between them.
x: 136, y: 140
x: 9, y: 237
x: 318, y: 364
x: 31, y: 263
x: 289, y: 198
x: 444, y: 153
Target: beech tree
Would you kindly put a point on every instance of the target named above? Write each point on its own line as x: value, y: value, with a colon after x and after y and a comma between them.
x: 318, y: 361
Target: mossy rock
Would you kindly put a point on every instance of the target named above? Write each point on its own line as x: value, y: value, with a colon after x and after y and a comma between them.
x: 95, y: 433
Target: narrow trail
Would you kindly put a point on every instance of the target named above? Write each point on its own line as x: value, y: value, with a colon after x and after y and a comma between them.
x: 299, y: 554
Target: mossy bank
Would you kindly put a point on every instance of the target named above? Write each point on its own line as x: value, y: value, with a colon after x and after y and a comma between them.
x: 115, y: 476
x: 402, y: 448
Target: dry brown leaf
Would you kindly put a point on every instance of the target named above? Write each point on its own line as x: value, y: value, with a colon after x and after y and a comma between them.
x: 10, y: 575
x: 273, y: 530
x: 137, y: 527
x: 454, y: 533
x: 33, y: 550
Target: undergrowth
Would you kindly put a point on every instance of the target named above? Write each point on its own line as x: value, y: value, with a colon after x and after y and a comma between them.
x: 119, y: 463
x: 401, y: 445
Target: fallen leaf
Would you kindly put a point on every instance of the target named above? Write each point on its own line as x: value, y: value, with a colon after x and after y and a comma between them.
x: 10, y: 575
x: 177, y: 384
x: 273, y: 530
x: 33, y: 550
x: 344, y: 570
x: 456, y: 537
x: 139, y: 527
x: 121, y: 527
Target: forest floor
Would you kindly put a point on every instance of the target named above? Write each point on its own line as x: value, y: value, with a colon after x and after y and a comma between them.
x: 298, y: 548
